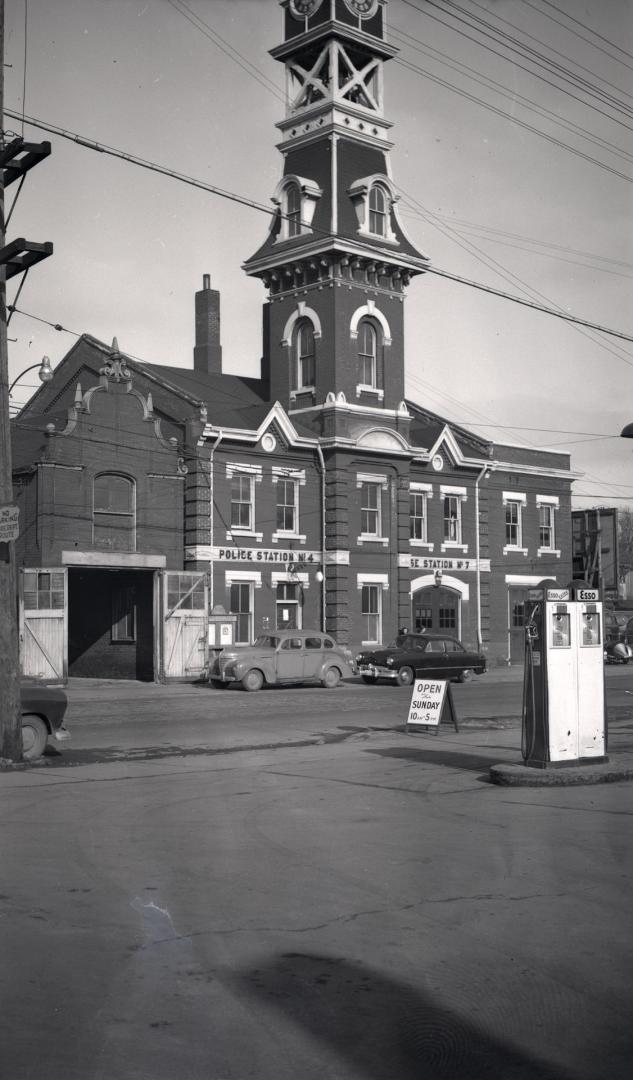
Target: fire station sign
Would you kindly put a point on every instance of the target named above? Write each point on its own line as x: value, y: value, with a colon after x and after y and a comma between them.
x: 9, y: 528
x: 430, y: 562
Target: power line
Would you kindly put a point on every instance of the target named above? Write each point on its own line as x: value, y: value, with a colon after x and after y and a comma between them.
x: 132, y: 159
x: 594, y: 33
x: 513, y: 95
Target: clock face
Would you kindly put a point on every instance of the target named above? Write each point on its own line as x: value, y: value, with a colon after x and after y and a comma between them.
x: 364, y: 8
x: 303, y: 8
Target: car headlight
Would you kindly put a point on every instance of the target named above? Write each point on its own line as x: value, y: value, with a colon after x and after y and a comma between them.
x: 359, y: 658
x: 390, y: 661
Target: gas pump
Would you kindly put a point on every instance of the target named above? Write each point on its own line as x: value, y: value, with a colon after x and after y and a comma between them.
x: 563, y: 681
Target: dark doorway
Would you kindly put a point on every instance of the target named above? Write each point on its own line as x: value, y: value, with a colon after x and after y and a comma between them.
x: 518, y: 611
x: 437, y: 608
x: 110, y: 624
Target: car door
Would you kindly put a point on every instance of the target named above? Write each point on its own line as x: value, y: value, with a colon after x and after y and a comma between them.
x: 434, y: 664
x: 313, y: 656
x: 289, y: 659
x: 457, y: 658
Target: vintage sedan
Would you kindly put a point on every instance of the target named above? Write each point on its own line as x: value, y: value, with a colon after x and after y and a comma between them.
x: 287, y: 656
x: 43, y: 708
x: 426, y: 655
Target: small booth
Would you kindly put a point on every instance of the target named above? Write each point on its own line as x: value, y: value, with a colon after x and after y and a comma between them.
x: 564, y: 714
x: 221, y: 630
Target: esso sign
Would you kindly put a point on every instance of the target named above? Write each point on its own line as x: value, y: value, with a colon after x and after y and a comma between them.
x: 587, y: 594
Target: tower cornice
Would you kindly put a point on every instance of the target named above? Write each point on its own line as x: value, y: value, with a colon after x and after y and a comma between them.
x: 341, y: 31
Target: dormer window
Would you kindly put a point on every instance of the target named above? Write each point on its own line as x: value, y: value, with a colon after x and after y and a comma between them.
x: 293, y: 210
x: 373, y: 198
x: 296, y: 197
x: 377, y: 210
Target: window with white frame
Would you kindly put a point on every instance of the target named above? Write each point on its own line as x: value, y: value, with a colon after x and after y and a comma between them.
x: 297, y: 198
x: 304, y: 356
x: 367, y: 354
x: 417, y: 516
x: 514, y: 531
x: 370, y: 508
x: 292, y: 208
x: 371, y: 613
x: 453, y: 499
x: 241, y: 604
x: 378, y: 206
x: 288, y: 606
x: 287, y: 517
x: 546, y: 533
x: 452, y: 519
x: 242, y: 501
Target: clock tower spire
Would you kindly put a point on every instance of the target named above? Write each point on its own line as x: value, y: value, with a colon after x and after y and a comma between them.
x: 337, y: 261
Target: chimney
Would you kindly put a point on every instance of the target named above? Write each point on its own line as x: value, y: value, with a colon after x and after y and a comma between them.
x: 207, y: 353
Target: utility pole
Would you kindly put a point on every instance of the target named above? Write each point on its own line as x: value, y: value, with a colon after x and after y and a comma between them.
x: 10, y: 718
x: 16, y: 158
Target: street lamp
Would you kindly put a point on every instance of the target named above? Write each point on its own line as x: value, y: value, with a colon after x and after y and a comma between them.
x: 45, y: 372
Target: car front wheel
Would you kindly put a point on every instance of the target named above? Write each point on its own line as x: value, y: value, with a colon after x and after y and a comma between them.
x: 406, y: 675
x: 465, y: 675
x: 34, y: 737
x: 253, y: 680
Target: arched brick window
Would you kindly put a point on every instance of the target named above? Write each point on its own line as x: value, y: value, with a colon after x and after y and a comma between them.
x: 367, y: 353
x: 114, y: 512
x: 304, y: 355
x: 378, y: 210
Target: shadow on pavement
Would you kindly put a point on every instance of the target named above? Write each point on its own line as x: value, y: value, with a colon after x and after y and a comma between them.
x: 454, y: 759
x: 383, y: 1028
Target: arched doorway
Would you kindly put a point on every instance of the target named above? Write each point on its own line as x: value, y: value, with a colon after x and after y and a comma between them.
x: 438, y: 607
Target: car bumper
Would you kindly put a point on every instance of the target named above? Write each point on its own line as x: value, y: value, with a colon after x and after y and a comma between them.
x: 61, y: 735
x: 374, y: 671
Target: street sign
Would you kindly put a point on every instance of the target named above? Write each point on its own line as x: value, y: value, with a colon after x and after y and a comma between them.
x: 9, y: 528
x: 431, y: 702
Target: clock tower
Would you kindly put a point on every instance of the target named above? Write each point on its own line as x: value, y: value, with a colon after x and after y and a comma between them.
x: 337, y: 261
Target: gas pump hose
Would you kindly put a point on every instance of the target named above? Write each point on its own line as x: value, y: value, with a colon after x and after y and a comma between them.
x: 528, y: 688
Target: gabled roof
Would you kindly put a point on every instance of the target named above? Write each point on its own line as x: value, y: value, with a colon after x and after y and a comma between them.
x: 427, y: 428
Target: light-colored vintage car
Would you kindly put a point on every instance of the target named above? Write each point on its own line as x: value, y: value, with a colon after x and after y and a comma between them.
x: 286, y: 656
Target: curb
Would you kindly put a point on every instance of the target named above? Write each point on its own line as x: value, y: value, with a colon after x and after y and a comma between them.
x: 608, y: 772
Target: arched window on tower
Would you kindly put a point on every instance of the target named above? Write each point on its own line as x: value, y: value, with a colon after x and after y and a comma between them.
x: 368, y: 348
x: 304, y: 358
x: 378, y: 210
x: 293, y: 210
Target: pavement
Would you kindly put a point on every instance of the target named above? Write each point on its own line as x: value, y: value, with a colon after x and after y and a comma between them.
x: 507, y: 773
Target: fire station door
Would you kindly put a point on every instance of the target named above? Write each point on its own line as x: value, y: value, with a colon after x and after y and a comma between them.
x: 43, y: 624
x: 184, y: 624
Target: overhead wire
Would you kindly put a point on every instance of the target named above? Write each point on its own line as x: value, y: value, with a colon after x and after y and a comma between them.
x: 594, y: 33
x: 527, y: 103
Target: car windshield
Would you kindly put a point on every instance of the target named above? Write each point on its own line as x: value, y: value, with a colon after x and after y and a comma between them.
x: 266, y: 641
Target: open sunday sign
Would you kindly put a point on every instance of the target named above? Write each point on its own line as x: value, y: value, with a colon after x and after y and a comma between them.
x: 431, y: 698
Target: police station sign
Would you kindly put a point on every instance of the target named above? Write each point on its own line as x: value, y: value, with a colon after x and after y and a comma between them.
x: 233, y: 553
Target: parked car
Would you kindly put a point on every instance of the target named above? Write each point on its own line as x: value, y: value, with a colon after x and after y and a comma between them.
x: 287, y: 656
x: 426, y: 655
x: 617, y: 652
x: 43, y: 709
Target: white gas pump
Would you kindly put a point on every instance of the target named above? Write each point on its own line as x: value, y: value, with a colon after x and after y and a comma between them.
x: 563, y: 686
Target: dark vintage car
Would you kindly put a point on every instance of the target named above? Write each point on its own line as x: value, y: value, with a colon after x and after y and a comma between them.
x: 427, y: 655
x: 286, y: 656
x: 43, y: 709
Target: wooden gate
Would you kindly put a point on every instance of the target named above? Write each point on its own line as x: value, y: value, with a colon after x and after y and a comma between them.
x: 185, y: 624
x: 43, y: 624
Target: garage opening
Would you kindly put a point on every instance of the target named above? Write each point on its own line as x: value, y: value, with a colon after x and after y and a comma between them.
x: 110, y: 624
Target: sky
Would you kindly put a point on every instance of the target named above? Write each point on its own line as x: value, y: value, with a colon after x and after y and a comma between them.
x: 488, y: 192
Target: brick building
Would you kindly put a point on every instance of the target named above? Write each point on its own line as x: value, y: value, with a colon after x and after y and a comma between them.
x: 316, y: 495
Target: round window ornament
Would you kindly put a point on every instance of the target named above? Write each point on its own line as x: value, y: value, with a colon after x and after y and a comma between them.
x: 363, y: 8
x: 437, y: 462
x: 302, y: 9
x: 269, y: 442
